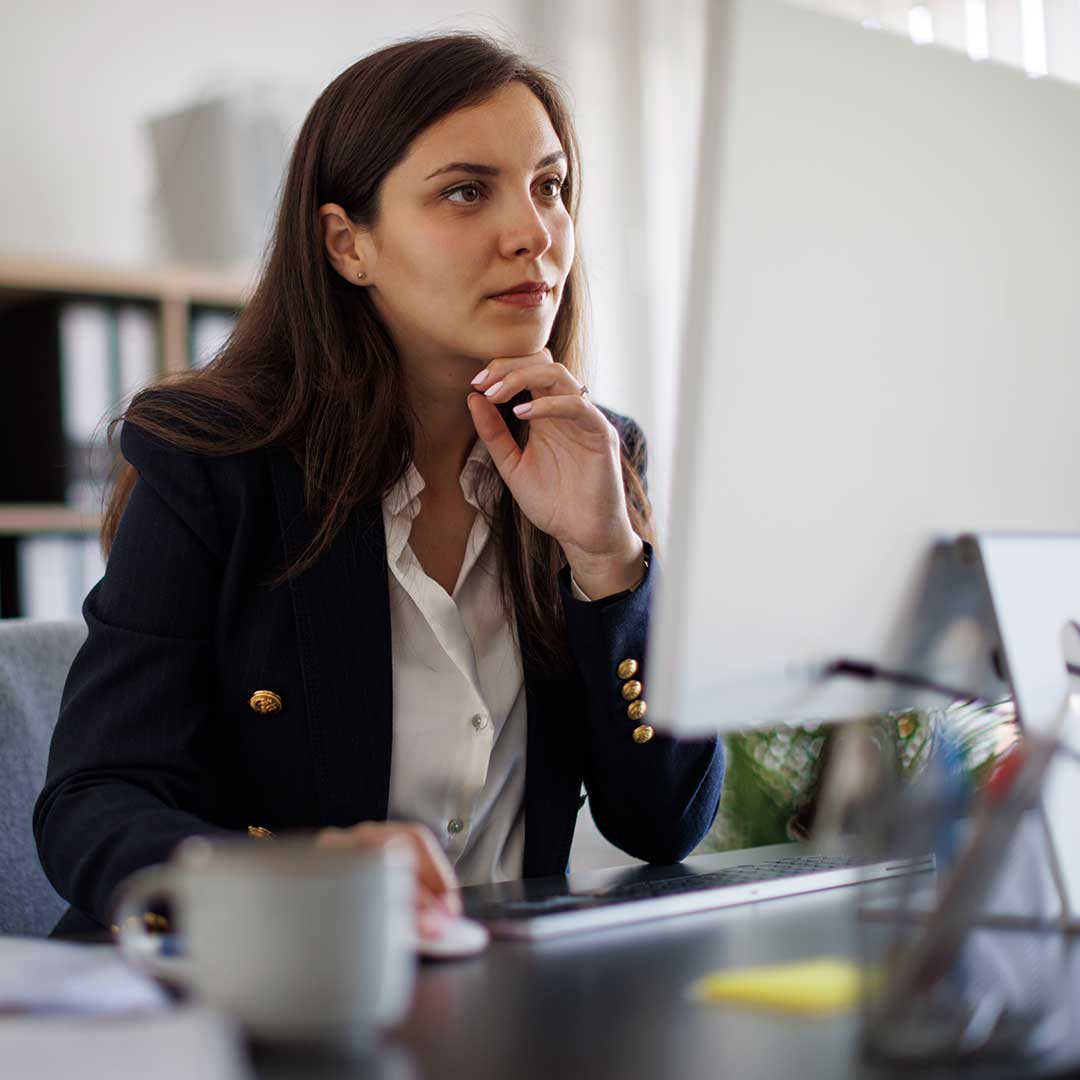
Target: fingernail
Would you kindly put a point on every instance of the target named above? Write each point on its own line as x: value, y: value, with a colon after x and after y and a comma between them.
x: 493, y: 389
x: 524, y: 408
x: 480, y: 378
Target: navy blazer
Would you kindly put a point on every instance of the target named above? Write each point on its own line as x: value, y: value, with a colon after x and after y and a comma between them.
x: 157, y: 739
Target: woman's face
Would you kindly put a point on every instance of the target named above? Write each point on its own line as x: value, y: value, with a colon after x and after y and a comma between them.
x: 472, y: 211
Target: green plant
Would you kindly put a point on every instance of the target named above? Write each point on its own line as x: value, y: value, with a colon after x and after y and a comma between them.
x: 774, y: 775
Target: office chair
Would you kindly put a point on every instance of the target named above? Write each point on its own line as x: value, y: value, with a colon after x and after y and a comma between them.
x: 34, y: 661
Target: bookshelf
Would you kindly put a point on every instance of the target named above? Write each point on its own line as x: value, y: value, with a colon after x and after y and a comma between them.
x: 174, y: 289
x: 172, y: 299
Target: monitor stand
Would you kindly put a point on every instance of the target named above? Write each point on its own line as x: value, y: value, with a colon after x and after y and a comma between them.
x: 1021, y: 591
x: 1033, y: 583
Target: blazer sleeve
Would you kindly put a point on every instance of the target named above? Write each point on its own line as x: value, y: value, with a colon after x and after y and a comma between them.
x: 654, y: 800
x: 128, y: 774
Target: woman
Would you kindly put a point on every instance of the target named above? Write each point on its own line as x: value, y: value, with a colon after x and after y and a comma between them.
x: 383, y: 560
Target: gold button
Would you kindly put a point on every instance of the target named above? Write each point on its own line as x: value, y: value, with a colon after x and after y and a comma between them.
x: 643, y: 733
x: 265, y: 701
x: 627, y: 669
x: 636, y: 710
x: 631, y: 690
x: 259, y: 833
x: 153, y: 922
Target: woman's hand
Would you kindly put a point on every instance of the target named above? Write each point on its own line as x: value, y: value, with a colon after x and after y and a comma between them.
x: 437, y: 900
x: 568, y: 479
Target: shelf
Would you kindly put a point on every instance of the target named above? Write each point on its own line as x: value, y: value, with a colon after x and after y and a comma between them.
x: 172, y: 295
x: 27, y: 519
x: 26, y: 275
x: 174, y: 289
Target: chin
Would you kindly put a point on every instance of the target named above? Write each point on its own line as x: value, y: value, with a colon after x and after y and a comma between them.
x: 521, y: 343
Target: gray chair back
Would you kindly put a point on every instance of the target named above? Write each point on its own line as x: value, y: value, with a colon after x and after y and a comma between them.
x: 34, y: 662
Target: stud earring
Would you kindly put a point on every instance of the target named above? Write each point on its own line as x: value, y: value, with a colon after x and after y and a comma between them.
x: 361, y: 275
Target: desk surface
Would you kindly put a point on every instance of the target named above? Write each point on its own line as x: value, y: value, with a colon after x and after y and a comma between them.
x: 612, y: 1004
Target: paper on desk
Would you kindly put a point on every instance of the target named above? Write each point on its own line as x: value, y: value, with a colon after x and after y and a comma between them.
x: 822, y: 985
x: 53, y: 976
x: 186, y: 1043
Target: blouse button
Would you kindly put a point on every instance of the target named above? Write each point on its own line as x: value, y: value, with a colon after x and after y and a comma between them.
x: 455, y: 825
x: 479, y: 722
x: 627, y: 669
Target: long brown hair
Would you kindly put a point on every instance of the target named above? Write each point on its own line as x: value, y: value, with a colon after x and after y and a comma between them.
x: 311, y: 366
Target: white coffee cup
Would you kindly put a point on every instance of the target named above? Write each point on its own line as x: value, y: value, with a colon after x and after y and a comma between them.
x: 302, y: 944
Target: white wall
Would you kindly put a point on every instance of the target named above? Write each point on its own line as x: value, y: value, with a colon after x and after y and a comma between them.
x: 78, y: 81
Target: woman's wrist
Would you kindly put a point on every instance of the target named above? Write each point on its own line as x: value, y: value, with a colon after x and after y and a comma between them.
x: 600, y: 576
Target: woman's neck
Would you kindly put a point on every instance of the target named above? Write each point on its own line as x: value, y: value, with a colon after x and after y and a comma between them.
x: 445, y: 433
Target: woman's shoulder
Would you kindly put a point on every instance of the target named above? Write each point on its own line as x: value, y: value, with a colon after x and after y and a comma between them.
x: 177, y: 419
x: 185, y: 450
x: 165, y: 428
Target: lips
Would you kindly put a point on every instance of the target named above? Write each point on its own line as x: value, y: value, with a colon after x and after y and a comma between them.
x: 534, y: 299
x: 525, y: 287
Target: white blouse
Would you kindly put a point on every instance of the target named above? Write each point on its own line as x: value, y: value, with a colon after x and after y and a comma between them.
x: 459, y: 736
x: 458, y: 755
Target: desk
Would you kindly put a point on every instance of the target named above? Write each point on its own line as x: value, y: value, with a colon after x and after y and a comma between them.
x: 610, y: 1004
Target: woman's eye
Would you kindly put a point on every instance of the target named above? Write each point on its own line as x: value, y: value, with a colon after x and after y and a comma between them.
x: 556, y: 182
x: 465, y: 190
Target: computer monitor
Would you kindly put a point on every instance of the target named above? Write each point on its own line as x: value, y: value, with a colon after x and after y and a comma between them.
x: 882, y: 354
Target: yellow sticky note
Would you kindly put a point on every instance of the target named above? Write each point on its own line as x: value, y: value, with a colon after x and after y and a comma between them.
x: 824, y: 984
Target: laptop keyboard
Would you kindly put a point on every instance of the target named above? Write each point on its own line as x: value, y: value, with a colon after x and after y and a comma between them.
x: 649, y: 890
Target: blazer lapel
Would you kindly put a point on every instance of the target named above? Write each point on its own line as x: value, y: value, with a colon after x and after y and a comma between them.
x: 554, y: 764
x: 342, y: 609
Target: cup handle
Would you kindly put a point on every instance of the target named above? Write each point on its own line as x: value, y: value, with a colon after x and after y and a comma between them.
x: 137, y: 945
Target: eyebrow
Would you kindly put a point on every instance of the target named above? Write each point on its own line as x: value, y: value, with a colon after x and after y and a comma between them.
x: 490, y: 170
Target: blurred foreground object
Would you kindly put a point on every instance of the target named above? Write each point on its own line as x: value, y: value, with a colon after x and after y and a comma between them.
x: 975, y: 964
x: 822, y: 985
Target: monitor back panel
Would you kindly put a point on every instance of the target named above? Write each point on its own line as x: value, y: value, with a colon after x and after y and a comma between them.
x: 883, y: 348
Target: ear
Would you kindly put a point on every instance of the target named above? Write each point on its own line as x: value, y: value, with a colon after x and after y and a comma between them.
x: 348, y: 246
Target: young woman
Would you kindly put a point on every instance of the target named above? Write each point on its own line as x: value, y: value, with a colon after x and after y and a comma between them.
x: 383, y: 568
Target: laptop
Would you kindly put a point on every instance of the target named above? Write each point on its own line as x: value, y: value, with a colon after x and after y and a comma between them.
x: 534, y: 909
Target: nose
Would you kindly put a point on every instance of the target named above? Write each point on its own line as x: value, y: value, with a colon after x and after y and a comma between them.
x: 524, y: 232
